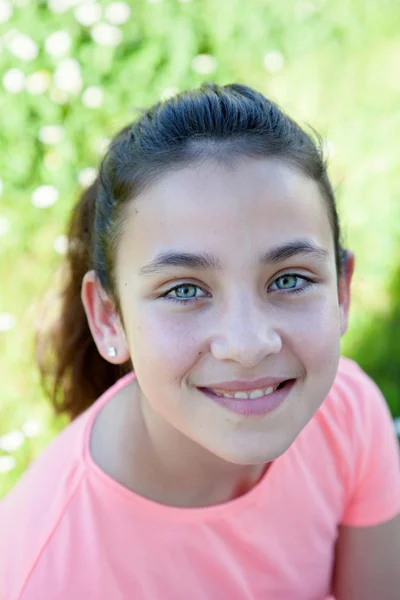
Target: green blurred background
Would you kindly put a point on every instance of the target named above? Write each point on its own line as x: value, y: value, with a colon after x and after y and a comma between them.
x: 72, y: 73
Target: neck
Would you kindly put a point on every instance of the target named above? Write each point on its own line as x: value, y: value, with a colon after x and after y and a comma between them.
x: 157, y: 461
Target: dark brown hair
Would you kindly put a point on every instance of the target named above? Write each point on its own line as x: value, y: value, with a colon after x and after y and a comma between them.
x: 219, y: 122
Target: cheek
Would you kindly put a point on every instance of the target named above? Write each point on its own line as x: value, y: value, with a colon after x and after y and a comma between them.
x: 315, y: 338
x: 169, y: 344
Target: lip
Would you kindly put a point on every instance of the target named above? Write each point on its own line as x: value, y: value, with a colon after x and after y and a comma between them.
x: 258, y: 406
x: 246, y: 386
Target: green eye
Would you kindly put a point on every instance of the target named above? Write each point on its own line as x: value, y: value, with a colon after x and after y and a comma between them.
x: 185, y: 291
x: 288, y: 282
x: 292, y: 284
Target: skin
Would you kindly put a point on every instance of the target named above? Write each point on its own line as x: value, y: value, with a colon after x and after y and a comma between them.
x: 243, y: 327
x: 367, y: 562
x: 161, y: 436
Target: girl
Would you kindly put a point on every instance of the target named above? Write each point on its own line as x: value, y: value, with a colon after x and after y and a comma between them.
x: 220, y: 447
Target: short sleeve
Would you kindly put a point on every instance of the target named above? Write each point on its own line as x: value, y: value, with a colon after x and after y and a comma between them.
x: 375, y: 494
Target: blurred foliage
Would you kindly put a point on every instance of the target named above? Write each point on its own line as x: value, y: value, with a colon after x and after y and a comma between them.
x: 330, y: 64
x: 377, y: 350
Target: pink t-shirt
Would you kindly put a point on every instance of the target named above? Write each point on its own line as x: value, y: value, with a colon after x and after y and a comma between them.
x: 69, y: 531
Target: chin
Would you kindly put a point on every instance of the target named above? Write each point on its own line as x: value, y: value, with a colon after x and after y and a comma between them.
x: 254, y: 456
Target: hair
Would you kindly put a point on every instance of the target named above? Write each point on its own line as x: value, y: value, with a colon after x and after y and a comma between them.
x: 223, y: 123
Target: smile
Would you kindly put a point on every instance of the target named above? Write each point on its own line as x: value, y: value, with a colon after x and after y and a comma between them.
x: 243, y: 395
x: 256, y: 402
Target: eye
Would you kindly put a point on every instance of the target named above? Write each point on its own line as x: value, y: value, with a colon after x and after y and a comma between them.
x: 184, y: 293
x: 289, y: 283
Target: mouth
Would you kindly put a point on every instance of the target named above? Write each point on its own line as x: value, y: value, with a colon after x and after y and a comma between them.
x: 257, y: 402
x: 247, y: 394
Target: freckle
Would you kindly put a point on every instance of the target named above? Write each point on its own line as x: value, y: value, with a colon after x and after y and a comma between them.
x: 136, y: 211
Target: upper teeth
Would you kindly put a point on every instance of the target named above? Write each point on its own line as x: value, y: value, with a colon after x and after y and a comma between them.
x: 249, y: 395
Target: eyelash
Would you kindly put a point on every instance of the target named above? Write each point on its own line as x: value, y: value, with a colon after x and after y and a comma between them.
x: 307, y: 285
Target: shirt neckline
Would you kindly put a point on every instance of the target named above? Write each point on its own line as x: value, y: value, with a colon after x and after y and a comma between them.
x: 134, y: 501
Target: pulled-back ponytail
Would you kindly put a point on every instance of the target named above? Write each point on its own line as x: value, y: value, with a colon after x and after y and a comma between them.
x: 214, y: 122
x: 73, y: 372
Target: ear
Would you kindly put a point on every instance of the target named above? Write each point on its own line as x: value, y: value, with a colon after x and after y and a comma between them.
x: 344, y: 291
x: 103, y: 320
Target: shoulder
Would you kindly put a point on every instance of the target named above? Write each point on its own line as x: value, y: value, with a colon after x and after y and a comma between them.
x: 358, y: 429
x: 355, y: 414
x: 31, y: 512
x: 355, y: 400
x: 353, y: 418
x: 37, y: 508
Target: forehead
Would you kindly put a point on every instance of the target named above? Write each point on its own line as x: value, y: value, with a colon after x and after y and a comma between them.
x: 226, y: 209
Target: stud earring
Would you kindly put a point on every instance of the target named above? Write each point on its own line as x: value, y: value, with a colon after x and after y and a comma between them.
x: 111, y: 352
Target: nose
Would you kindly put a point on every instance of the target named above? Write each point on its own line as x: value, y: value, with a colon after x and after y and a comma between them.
x: 245, y: 334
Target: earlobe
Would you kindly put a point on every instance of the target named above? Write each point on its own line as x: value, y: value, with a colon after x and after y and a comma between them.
x: 344, y: 291
x: 103, y: 322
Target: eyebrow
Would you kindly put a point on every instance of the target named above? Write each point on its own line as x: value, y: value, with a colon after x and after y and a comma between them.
x: 206, y: 261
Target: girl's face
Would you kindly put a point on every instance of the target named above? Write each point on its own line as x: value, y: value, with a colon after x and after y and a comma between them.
x: 209, y: 295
